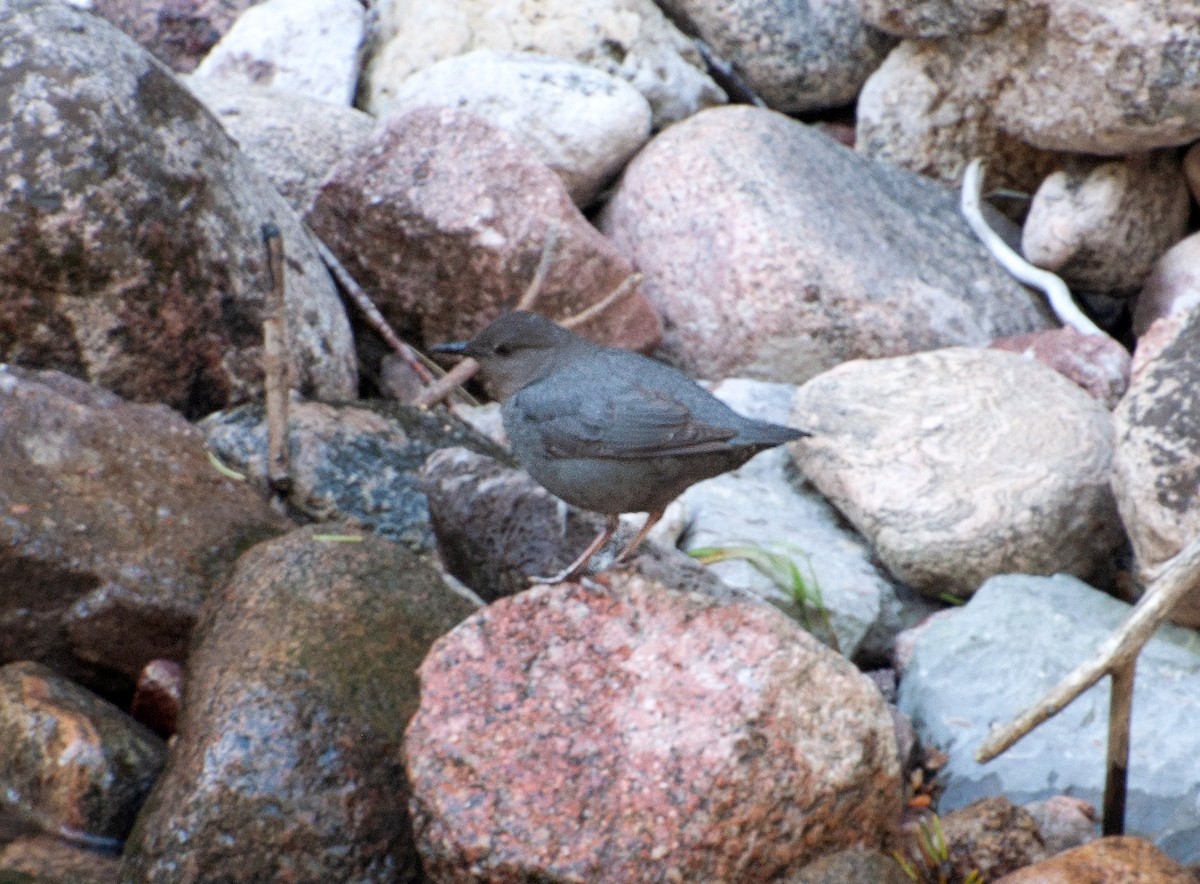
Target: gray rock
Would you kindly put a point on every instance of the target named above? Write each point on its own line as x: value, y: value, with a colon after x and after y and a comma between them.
x: 130, y: 246
x: 1018, y: 636
x: 288, y: 763
x: 581, y: 122
x: 961, y: 464
x: 766, y: 246
x: 926, y: 19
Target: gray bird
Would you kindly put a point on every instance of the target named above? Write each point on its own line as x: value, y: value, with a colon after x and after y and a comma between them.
x: 605, y: 429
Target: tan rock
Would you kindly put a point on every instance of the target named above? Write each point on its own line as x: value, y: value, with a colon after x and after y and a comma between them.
x: 961, y: 464
x: 1115, y: 860
x: 639, y: 733
x: 1172, y: 287
x: 992, y: 837
x: 46, y: 859
x: 443, y: 217
x: 925, y: 19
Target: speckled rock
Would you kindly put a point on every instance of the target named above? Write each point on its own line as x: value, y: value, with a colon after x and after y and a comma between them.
x: 1117, y: 860
x: 73, y: 762
x: 630, y: 39
x: 287, y: 764
x: 291, y: 139
x: 992, y: 837
x: 636, y: 733
x: 1172, y: 287
x: 307, y: 47
x: 796, y: 55
x: 925, y: 19
x: 130, y: 252
x: 855, y: 864
x: 439, y: 190
x: 349, y: 461
x: 44, y: 860
x: 742, y: 221
x: 1157, y: 458
x: 961, y: 464
x: 1064, y: 821
x: 178, y: 32
x: 929, y: 108
x: 581, y: 122
x: 115, y: 526
x: 1102, y: 225
x: 1097, y: 363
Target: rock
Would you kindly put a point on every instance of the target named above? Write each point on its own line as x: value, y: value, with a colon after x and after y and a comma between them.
x: 759, y: 507
x: 497, y: 529
x: 1102, y: 225
x: 581, y: 122
x: 444, y: 218
x: 638, y: 733
x: 1117, y: 860
x: 1064, y: 822
x: 630, y: 39
x: 309, y: 47
x: 50, y: 861
x: 72, y: 762
x: 158, y: 695
x: 991, y: 837
x: 115, y: 526
x: 287, y: 763
x: 929, y: 109
x: 349, y: 461
x: 739, y: 218
x: 797, y: 56
x: 981, y: 664
x: 961, y: 464
x: 1097, y: 363
x: 1157, y: 456
x: 854, y: 864
x: 1172, y: 287
x: 130, y: 252
x: 294, y: 140
x: 929, y: 19
x: 178, y: 32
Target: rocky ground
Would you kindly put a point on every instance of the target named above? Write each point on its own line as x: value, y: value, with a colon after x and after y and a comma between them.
x: 202, y: 682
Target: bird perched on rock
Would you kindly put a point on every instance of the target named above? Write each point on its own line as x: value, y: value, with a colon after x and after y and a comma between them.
x: 605, y: 429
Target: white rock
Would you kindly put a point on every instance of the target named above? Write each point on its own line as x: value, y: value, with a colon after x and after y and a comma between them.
x: 581, y: 122
x: 305, y: 46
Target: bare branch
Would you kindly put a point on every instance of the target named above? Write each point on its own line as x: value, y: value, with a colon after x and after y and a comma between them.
x: 1053, y: 287
x: 446, y: 385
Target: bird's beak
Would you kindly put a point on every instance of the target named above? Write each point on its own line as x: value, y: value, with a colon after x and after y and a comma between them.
x: 458, y: 348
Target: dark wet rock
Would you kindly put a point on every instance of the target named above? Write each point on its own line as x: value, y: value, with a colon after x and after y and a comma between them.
x: 113, y: 527
x: 178, y: 32
x: 1095, y: 362
x: 992, y: 837
x: 157, y: 696
x: 287, y: 764
x: 70, y: 762
x: 130, y: 246
x: 350, y: 461
x: 42, y: 860
x: 637, y: 733
x: 1116, y: 860
x: 439, y: 188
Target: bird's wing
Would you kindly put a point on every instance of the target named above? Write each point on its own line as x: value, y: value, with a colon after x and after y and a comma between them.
x: 627, y: 421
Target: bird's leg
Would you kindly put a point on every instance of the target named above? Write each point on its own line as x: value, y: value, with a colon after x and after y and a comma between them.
x: 631, y: 547
x: 573, y: 570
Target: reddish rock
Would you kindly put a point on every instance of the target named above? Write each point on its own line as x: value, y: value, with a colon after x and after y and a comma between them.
x: 639, y: 733
x: 1095, y: 362
x: 1173, y: 285
x: 114, y: 525
x: 443, y: 218
x: 51, y: 860
x: 157, y: 697
x: 1064, y: 822
x: 1115, y: 860
x: 775, y: 253
x: 73, y: 764
x: 178, y: 32
x: 992, y: 837
x: 130, y: 245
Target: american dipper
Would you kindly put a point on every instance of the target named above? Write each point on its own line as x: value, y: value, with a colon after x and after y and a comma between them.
x: 605, y: 429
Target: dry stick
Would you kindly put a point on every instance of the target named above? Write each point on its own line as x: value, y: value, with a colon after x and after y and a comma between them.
x: 549, y: 247
x: 627, y: 285
x: 1055, y: 289
x: 275, y: 367
x: 371, y: 312
x: 1116, y: 657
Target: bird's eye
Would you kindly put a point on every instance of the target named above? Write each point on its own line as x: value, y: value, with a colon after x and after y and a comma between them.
x: 503, y: 350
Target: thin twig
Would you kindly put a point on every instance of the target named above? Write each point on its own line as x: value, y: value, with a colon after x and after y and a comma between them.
x: 549, y: 247
x: 447, y: 383
x: 627, y: 285
x: 1053, y: 287
x: 371, y: 313
x: 275, y: 367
